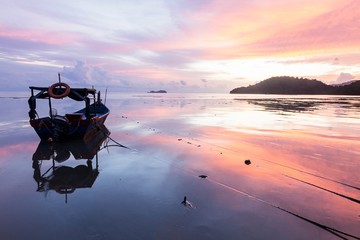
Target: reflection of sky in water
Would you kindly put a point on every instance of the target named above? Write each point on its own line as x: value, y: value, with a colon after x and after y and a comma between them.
x: 327, y: 118
x: 174, y: 138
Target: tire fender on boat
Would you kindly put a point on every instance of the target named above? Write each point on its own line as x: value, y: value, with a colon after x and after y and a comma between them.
x: 59, y: 84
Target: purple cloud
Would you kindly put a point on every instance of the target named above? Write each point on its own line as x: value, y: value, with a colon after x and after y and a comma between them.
x: 82, y: 73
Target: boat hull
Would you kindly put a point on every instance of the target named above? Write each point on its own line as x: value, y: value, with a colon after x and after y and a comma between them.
x: 72, y: 126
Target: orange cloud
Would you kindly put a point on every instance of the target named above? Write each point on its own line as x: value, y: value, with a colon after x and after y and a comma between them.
x: 336, y: 31
x: 233, y: 29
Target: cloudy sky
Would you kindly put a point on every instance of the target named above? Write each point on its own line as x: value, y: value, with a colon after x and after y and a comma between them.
x: 177, y: 45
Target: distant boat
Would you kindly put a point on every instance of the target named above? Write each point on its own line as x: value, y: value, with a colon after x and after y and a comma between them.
x: 74, y: 125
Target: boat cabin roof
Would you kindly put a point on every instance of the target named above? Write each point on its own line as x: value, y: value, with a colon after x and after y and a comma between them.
x: 77, y: 94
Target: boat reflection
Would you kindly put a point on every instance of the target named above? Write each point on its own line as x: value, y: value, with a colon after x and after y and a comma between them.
x: 65, y: 179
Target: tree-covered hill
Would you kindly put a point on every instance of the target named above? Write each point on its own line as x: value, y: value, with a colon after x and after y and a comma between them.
x: 294, y: 85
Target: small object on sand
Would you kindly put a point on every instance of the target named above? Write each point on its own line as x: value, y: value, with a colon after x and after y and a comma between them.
x: 203, y: 176
x: 247, y: 162
x: 186, y: 203
x: 179, y: 139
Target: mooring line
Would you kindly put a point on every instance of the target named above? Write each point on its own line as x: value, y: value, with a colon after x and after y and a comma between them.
x: 327, y: 190
x: 312, y: 174
x: 326, y: 228
x: 117, y: 143
x: 331, y: 230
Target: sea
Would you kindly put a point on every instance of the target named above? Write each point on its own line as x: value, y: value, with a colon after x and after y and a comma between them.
x: 186, y: 166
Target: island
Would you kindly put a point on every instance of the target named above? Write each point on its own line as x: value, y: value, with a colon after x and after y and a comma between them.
x: 295, y: 85
x: 159, y: 91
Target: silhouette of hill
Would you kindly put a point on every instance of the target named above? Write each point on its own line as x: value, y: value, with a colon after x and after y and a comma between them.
x: 294, y: 85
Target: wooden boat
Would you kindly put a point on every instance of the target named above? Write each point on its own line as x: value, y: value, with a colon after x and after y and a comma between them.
x: 74, y: 125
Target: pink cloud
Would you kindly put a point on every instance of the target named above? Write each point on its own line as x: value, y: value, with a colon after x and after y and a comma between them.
x: 334, y: 31
x: 48, y: 37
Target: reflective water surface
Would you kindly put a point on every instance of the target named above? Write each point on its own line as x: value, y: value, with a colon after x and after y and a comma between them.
x: 302, y: 182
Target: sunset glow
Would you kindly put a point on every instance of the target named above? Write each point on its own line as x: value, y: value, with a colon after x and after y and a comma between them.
x: 180, y: 46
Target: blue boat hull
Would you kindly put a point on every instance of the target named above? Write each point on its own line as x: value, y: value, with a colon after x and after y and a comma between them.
x: 71, y: 126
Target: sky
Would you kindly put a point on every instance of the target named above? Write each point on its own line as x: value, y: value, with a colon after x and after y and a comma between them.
x: 177, y: 45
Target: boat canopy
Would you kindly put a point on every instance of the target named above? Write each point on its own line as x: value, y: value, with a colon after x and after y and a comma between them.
x: 77, y: 94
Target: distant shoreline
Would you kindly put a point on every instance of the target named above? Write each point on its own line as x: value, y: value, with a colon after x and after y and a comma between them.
x: 158, y: 91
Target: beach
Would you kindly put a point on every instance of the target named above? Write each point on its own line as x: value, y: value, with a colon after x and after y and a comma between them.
x: 250, y: 167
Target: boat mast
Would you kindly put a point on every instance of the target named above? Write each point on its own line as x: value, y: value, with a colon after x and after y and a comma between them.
x: 50, y: 107
x: 59, y: 78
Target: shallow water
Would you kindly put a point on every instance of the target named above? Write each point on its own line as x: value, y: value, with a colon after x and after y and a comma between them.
x: 302, y: 183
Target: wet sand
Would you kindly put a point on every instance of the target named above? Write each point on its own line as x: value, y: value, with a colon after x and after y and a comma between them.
x: 302, y: 183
